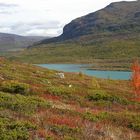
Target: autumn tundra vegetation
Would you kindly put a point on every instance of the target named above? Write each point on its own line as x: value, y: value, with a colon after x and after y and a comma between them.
x: 37, y: 104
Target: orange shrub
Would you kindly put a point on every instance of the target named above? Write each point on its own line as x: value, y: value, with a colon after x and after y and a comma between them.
x: 136, y: 78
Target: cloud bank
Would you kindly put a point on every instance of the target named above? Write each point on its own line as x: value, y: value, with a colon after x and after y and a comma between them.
x: 43, y: 17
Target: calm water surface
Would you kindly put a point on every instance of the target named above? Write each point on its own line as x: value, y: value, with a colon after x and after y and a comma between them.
x: 118, y: 75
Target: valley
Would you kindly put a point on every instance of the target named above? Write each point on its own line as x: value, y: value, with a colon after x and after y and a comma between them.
x: 81, y: 85
x: 108, y: 38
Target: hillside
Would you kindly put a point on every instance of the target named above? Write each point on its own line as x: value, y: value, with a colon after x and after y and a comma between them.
x: 117, y: 54
x: 12, y: 42
x: 117, y: 20
x: 35, y: 103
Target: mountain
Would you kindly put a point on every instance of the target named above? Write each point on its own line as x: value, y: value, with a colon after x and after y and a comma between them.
x: 109, y: 39
x: 10, y: 42
x: 116, y: 19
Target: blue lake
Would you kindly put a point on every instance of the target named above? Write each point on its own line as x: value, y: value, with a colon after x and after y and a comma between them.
x: 118, y: 75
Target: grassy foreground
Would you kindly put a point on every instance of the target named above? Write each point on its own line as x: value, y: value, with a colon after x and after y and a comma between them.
x: 35, y: 103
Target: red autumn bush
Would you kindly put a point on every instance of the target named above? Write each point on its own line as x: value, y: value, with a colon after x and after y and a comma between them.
x: 69, y: 121
x: 136, y: 78
x: 42, y: 133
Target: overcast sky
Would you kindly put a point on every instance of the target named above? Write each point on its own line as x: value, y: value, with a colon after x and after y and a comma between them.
x: 44, y: 17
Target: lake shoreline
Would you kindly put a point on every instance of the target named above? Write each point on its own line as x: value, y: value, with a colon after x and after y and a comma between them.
x: 107, y: 69
x: 94, y: 67
x: 84, y: 68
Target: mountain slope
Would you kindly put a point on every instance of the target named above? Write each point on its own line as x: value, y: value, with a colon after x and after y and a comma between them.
x: 15, y: 42
x: 116, y: 19
x: 35, y: 103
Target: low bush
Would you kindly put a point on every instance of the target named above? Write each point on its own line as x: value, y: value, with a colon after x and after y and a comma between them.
x: 15, y: 130
x: 62, y: 91
x: 95, y: 117
x: 134, y: 126
x: 127, y: 119
x: 103, y: 96
x: 22, y: 104
x: 15, y: 87
x: 64, y: 130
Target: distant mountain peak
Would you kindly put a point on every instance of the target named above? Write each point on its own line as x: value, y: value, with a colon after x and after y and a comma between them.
x: 10, y: 42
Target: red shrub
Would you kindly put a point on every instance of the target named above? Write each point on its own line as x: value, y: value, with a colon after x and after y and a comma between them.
x: 136, y: 78
x: 42, y: 133
x: 60, y: 120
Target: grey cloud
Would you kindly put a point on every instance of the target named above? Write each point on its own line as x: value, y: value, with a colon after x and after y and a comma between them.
x: 24, y: 28
x: 36, y: 25
x: 50, y: 25
x: 8, y: 9
x: 60, y: 31
x: 8, y: 12
x: 5, y: 5
x: 5, y: 12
